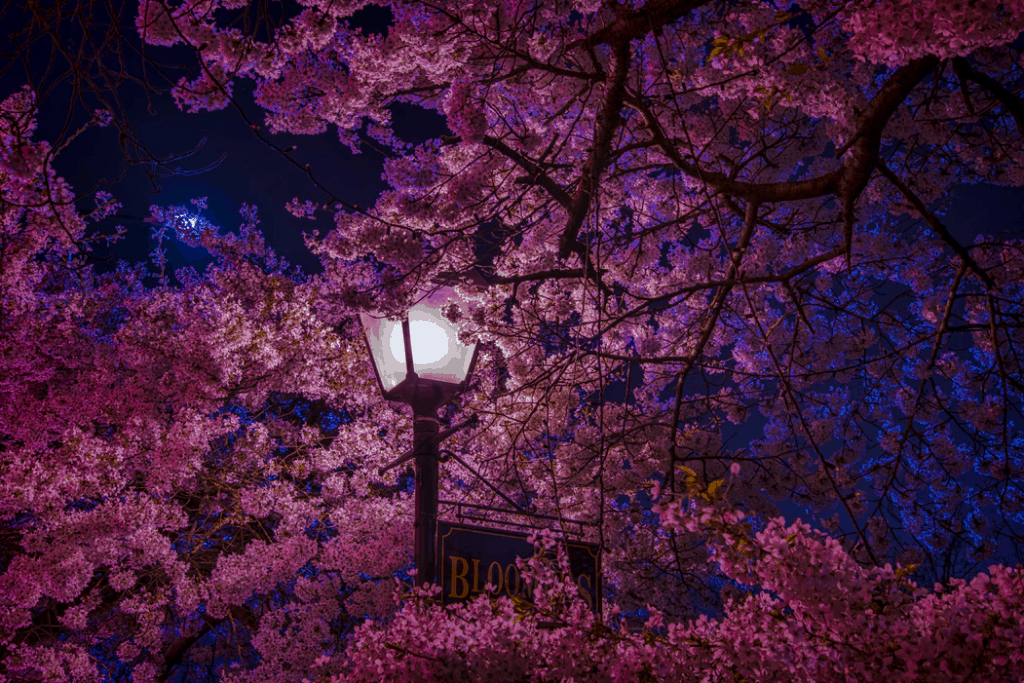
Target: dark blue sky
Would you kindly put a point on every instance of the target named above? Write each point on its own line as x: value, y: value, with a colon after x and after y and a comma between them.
x: 249, y: 171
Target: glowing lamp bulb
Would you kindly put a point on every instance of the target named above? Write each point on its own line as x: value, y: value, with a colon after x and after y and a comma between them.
x: 429, y: 342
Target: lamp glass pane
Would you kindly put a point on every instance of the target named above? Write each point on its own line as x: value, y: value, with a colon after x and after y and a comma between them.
x: 430, y: 342
x: 388, y: 357
x: 437, y: 353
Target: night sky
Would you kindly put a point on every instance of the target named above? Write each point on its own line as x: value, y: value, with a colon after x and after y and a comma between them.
x: 245, y: 170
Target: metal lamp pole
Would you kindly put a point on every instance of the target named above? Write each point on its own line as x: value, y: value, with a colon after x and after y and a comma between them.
x: 425, y: 385
x: 425, y: 398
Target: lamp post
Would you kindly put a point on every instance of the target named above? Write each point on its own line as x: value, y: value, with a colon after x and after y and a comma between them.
x: 420, y: 361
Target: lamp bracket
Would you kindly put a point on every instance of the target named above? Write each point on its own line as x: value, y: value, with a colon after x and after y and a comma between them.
x: 409, y: 455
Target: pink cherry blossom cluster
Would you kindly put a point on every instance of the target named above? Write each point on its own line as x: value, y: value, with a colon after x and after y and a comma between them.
x: 895, y: 31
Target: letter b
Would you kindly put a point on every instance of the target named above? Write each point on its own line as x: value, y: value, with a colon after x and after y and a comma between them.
x: 459, y: 577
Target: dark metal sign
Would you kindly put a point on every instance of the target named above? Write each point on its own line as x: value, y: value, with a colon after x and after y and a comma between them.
x: 471, y: 558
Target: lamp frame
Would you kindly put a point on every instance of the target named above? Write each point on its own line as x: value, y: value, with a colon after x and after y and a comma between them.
x: 415, y: 388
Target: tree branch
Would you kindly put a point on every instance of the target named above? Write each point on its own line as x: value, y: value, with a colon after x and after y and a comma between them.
x: 536, y: 173
x: 567, y: 273
x: 715, y: 310
x: 885, y: 102
x: 1012, y: 103
x: 936, y: 225
x: 756, y: 192
x: 607, y: 123
x: 630, y: 25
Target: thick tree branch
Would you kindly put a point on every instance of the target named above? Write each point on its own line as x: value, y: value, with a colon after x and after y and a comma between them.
x: 847, y: 182
x: 536, y: 173
x: 607, y: 123
x: 175, y: 652
x: 864, y: 145
x: 885, y: 102
x: 756, y: 192
x: 1012, y: 103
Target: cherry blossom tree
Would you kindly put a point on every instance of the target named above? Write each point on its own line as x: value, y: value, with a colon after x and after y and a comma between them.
x: 158, y: 439
x: 721, y: 293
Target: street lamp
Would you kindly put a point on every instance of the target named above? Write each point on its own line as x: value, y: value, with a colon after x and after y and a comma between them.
x: 420, y: 361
